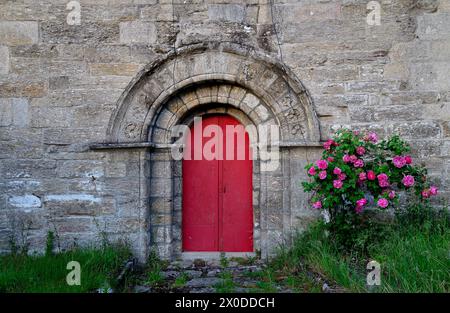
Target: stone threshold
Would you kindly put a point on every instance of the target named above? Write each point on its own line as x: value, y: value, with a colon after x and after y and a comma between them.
x: 208, y: 256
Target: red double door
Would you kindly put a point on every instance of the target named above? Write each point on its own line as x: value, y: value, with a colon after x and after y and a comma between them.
x: 217, y: 192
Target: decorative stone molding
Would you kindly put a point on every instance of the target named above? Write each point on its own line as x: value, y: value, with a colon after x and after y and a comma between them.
x: 267, y: 86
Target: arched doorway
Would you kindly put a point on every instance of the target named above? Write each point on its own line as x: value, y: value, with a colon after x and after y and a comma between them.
x: 217, y: 187
x: 215, y: 78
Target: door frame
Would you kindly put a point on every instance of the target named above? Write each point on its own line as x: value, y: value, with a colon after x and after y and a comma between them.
x: 220, y: 212
x: 177, y: 249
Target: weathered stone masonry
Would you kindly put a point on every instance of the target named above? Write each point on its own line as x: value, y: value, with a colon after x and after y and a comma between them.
x: 134, y: 69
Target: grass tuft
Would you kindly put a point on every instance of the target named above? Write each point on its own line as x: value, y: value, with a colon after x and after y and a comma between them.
x: 47, y: 273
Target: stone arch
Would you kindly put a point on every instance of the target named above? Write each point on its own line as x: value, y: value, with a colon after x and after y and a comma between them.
x: 225, y: 98
x: 202, y: 79
x: 267, y: 80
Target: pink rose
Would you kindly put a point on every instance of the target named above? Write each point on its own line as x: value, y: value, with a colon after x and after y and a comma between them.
x: 337, y: 184
x: 353, y: 158
x: 317, y: 205
x: 346, y: 158
x: 383, y: 180
x: 312, y: 171
x: 337, y: 171
x: 373, y: 137
x: 330, y: 159
x: 426, y: 193
x: 408, y: 181
x: 360, y: 205
x: 323, y: 174
x: 361, y: 202
x: 327, y: 145
x: 399, y: 161
x: 371, y: 175
x: 358, y: 163
x: 382, y: 203
x: 433, y: 190
x: 342, y: 176
x: 362, y: 176
x: 391, y: 194
x: 322, y: 164
x: 408, y: 159
x: 360, y: 150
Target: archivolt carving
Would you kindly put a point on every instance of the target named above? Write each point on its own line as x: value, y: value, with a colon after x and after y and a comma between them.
x: 213, y: 73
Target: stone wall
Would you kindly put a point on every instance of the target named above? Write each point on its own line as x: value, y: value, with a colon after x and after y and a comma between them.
x: 61, y: 86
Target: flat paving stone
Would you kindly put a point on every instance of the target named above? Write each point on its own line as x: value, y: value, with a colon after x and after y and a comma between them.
x: 203, y: 282
x: 194, y: 274
x: 202, y: 290
x: 170, y: 274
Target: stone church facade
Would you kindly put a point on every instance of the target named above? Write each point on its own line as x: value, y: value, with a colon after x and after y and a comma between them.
x: 88, y: 106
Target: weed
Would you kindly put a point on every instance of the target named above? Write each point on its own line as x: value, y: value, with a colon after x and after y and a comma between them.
x: 181, y: 280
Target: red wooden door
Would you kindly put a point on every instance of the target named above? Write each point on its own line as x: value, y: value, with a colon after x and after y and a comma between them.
x: 217, y: 192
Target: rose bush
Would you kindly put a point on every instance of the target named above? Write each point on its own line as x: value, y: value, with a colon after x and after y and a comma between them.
x: 358, y: 171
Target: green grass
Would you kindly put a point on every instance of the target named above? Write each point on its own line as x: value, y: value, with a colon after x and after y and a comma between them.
x: 47, y: 273
x: 224, y: 262
x: 181, y: 280
x: 414, y: 257
x: 154, y: 269
x: 227, y: 284
x: 251, y: 260
x: 253, y: 274
x: 415, y: 261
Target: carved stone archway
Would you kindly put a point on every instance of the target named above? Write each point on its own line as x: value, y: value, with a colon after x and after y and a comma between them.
x: 271, y: 82
x: 203, y: 79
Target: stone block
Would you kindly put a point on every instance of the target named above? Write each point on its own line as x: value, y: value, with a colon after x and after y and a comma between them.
x: 4, y: 60
x: 15, y: 33
x: 92, y: 115
x: 20, y: 107
x: 11, y: 89
x: 161, y: 13
x: 136, y: 32
x: 27, y: 168
x: 227, y: 12
x: 6, y: 113
x: 107, y: 54
x: 57, y: 31
x: 307, y: 12
x: 432, y: 26
x: 116, y: 169
x: 161, y: 187
x: 78, y: 205
x: 417, y: 130
x: 21, y: 142
x: 80, y: 168
x: 63, y: 136
x: 26, y: 202
x: 37, y: 50
x: 27, y: 67
x: 58, y: 82
x: 115, y: 69
x: 73, y: 225
x: 51, y: 117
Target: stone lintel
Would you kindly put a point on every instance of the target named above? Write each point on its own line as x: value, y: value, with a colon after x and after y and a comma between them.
x: 145, y: 145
